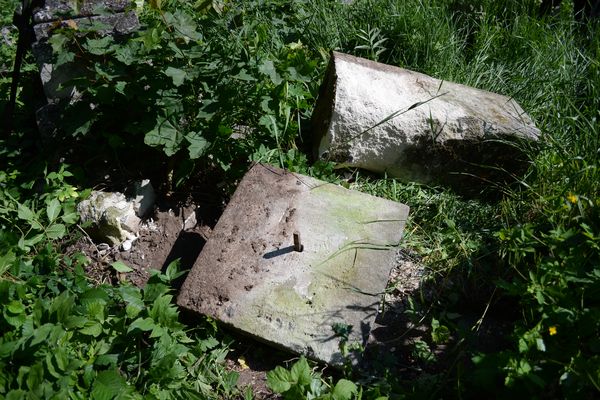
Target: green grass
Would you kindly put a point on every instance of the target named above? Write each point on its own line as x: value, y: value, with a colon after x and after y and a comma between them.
x: 528, y: 260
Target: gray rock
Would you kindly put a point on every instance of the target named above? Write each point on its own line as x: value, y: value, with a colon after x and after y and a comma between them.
x: 53, y: 10
x: 249, y: 276
x: 412, y: 126
x: 107, y: 17
x: 111, y: 218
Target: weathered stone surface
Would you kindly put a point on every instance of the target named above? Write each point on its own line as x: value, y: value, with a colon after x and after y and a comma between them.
x: 112, y: 217
x: 53, y: 10
x: 412, y: 126
x: 107, y: 17
x: 249, y: 276
x: 53, y: 78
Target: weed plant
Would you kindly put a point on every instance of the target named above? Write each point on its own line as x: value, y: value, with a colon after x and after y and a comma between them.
x: 219, y: 84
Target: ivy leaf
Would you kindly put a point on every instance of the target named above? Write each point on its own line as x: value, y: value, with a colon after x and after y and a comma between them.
x: 53, y: 209
x: 99, y: 46
x: 164, y: 134
x: 58, y: 41
x: 344, y: 390
x: 184, y: 24
x: 176, y: 74
x: 198, y: 145
x: 120, y: 266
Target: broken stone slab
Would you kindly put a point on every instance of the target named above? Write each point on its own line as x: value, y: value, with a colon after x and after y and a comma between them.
x: 107, y: 17
x: 52, y: 10
x: 115, y: 218
x: 249, y: 276
x: 411, y: 126
x: 54, y: 79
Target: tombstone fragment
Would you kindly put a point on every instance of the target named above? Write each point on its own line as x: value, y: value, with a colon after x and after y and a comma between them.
x: 250, y: 275
x: 409, y: 125
x: 107, y: 17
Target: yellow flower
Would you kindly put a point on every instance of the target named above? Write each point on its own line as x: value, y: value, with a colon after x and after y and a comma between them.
x: 572, y: 198
x: 552, y: 330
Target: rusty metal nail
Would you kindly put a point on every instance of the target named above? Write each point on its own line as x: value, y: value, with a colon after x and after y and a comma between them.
x: 298, y: 246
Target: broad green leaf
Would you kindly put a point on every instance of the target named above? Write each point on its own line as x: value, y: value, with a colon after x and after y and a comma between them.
x: 244, y: 76
x: 143, y: 324
x: 165, y: 135
x: 53, y: 209
x: 176, y: 74
x: 33, y: 240
x: 6, y: 261
x: 198, y: 145
x: 41, y: 333
x: 279, y: 380
x: 108, y: 385
x: 184, y: 25
x: 75, y: 321
x: 344, y: 390
x: 268, y: 68
x: 120, y: 266
x: 25, y: 213
x: 99, y: 46
x: 91, y: 328
x: 56, y: 231
x: 15, y: 307
x: 36, y: 376
x: 58, y: 41
x: 301, y: 372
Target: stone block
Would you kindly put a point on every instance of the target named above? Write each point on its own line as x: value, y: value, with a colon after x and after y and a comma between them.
x: 250, y: 277
x: 412, y: 126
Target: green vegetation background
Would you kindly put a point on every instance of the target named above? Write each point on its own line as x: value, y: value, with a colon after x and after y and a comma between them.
x: 214, y: 85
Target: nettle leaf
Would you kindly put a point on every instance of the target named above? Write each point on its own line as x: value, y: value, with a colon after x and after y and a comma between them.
x: 108, y: 385
x: 176, y: 74
x: 165, y: 135
x: 99, y: 46
x: 344, y: 390
x: 198, y: 145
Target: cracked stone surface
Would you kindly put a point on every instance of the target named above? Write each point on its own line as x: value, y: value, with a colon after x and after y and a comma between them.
x: 415, y: 127
x: 250, y: 277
